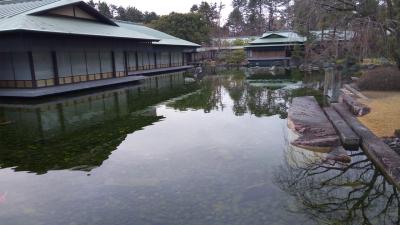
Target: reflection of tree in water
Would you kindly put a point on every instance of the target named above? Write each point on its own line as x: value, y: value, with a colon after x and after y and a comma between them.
x: 257, y: 100
x: 208, y: 98
x: 263, y: 101
x: 341, y: 194
x: 236, y: 88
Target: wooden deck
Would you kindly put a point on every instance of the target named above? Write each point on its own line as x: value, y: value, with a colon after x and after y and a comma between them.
x: 54, y: 90
x: 39, y: 92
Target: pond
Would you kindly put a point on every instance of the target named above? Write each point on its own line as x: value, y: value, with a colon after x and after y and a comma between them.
x: 172, y: 152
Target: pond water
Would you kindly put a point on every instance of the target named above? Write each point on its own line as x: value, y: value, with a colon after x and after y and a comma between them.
x: 168, y: 152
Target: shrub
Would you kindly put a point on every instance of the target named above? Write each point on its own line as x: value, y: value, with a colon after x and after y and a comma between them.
x: 237, y: 57
x: 380, y: 79
x: 239, y: 42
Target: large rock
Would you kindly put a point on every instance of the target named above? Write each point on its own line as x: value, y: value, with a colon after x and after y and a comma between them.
x: 357, y: 108
x: 315, y: 131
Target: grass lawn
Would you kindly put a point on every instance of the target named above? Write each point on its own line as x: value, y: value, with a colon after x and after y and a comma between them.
x: 384, y: 118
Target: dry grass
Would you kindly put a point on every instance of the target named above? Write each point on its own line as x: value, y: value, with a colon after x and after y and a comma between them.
x: 384, y: 118
x: 380, y: 79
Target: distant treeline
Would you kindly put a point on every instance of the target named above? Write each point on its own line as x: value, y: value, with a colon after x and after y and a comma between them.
x: 121, y: 13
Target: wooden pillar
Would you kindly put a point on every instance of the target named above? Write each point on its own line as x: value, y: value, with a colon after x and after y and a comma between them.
x: 55, y: 68
x: 170, y: 59
x: 113, y: 64
x: 32, y: 67
x: 137, y: 61
x: 155, y: 60
x: 126, y: 62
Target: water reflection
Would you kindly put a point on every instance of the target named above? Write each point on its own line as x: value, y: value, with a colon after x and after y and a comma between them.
x: 335, y: 193
x: 80, y: 132
x: 206, y: 160
x: 259, y: 100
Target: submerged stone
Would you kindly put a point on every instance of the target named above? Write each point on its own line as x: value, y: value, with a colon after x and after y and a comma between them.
x: 339, y: 154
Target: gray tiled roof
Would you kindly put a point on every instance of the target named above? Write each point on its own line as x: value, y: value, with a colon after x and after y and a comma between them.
x: 21, y: 15
x: 63, y: 25
x: 30, y: 15
x: 273, y: 38
x: 9, y: 8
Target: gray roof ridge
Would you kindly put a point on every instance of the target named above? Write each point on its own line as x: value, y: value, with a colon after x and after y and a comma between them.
x: 46, y: 6
x: 128, y: 22
x: 10, y: 2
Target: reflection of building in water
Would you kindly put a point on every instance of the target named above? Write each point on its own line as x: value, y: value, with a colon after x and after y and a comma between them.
x: 81, y: 130
x: 62, y: 115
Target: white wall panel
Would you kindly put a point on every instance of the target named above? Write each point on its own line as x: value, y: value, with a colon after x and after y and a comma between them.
x: 43, y: 64
x: 93, y: 62
x: 131, y: 60
x: 119, y: 61
x: 78, y: 62
x: 64, y: 64
x: 106, y: 63
x: 22, y: 68
x: 6, y: 69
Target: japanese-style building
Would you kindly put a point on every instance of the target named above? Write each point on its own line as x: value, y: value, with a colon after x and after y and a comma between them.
x: 274, y: 48
x: 55, y: 46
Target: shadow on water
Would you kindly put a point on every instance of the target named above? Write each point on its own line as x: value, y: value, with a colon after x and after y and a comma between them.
x: 79, y: 133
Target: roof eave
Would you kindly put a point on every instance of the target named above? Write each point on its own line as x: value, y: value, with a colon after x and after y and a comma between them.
x: 72, y: 34
x: 192, y: 46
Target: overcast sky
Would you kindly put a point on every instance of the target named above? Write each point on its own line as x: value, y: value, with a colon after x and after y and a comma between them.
x: 164, y: 7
